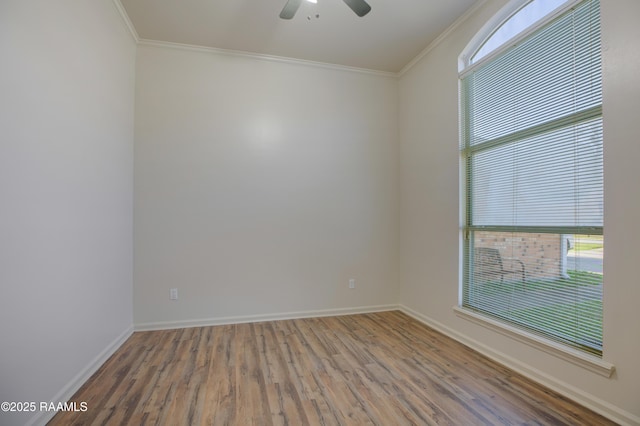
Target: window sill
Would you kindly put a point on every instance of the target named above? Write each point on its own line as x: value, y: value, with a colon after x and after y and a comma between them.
x: 566, y: 353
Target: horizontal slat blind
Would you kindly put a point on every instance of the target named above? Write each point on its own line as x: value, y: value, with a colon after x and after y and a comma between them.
x: 533, y: 154
x: 548, y: 75
x: 553, y: 179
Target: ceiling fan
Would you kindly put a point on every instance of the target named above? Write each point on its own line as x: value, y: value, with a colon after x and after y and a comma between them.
x: 360, y: 7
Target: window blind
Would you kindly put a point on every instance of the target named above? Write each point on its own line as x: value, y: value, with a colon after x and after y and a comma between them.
x: 532, y: 149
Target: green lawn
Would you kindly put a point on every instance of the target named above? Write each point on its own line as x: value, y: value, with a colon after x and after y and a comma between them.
x: 556, y: 319
x: 576, y: 279
x: 585, y: 246
x: 588, y: 242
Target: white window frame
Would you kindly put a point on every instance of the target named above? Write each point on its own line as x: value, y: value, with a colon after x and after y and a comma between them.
x: 512, y: 7
x: 590, y: 362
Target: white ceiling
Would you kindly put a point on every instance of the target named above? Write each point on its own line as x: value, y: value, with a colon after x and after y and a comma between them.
x: 386, y: 39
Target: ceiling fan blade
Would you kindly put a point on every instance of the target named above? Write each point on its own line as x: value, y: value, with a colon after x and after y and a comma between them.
x: 290, y: 9
x: 360, y: 7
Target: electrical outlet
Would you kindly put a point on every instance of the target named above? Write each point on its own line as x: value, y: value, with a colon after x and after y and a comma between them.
x: 173, y: 294
x: 352, y: 283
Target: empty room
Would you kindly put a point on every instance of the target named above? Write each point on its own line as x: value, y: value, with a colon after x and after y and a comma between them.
x: 319, y: 212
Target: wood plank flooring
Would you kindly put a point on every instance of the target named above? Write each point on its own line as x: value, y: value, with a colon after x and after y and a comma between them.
x: 382, y: 368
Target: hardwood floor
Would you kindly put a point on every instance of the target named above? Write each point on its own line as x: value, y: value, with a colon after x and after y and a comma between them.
x: 381, y: 368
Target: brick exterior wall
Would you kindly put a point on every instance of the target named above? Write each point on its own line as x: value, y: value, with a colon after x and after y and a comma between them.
x: 541, y: 253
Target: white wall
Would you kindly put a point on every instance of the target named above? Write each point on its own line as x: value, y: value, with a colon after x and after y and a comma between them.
x: 66, y: 185
x: 429, y: 182
x: 261, y: 187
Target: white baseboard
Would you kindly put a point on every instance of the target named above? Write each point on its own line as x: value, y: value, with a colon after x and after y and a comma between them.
x: 598, y: 405
x: 168, y: 325
x: 67, y: 392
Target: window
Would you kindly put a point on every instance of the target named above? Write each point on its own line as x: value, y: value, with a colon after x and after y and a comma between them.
x: 531, y: 13
x: 532, y: 154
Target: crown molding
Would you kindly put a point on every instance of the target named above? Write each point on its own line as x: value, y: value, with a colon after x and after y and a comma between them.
x: 237, y: 53
x: 127, y: 22
x: 263, y: 57
x: 469, y: 12
x: 195, y: 48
